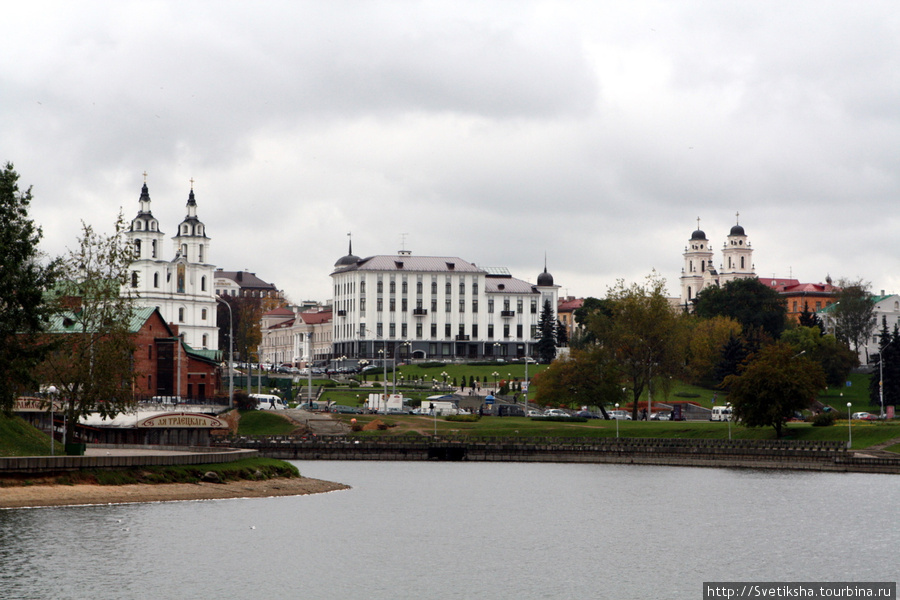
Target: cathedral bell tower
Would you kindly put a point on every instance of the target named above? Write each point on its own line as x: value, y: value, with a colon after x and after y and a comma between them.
x: 737, y: 255
x: 698, y: 265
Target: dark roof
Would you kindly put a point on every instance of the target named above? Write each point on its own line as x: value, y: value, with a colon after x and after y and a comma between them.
x: 737, y: 230
x: 545, y: 278
x: 244, y: 279
x: 698, y: 235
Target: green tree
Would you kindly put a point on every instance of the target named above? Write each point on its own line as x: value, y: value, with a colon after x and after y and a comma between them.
x: 734, y: 353
x: 644, y: 333
x: 773, y: 385
x: 545, y: 348
x: 91, y: 364
x: 24, y: 313
x: 588, y: 377
x: 887, y: 368
x: 810, y: 319
x: 706, y: 342
x: 853, y: 312
x: 582, y: 336
x: 835, y: 358
x: 562, y: 335
x: 754, y: 305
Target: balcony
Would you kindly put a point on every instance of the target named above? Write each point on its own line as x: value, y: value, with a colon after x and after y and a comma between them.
x: 507, y: 313
x: 462, y: 338
x: 420, y: 312
x: 342, y: 313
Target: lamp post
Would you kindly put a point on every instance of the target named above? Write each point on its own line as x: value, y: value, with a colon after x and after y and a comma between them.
x: 881, y: 376
x: 849, y: 427
x: 444, y: 376
x: 525, y: 388
x: 728, y: 416
x: 383, y: 355
x: 52, y: 391
x: 496, y: 375
x: 230, y: 353
x: 617, y: 420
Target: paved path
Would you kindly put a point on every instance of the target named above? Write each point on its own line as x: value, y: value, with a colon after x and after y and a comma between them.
x: 319, y: 423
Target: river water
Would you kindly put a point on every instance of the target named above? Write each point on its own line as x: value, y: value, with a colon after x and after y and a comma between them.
x: 463, y: 531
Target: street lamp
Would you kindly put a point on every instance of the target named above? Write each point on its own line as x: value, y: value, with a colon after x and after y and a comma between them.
x: 881, y: 376
x: 525, y: 388
x: 617, y: 420
x: 384, y: 366
x: 230, y: 353
x: 496, y: 375
x: 728, y: 417
x: 849, y: 427
x: 52, y: 391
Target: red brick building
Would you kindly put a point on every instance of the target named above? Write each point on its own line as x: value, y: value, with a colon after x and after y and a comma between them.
x: 165, y: 366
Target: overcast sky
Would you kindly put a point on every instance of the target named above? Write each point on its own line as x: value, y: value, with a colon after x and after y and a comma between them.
x: 595, y: 133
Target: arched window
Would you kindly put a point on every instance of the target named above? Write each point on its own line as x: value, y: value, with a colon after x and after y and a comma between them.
x: 203, y: 317
x: 137, y: 248
x: 134, y: 279
x: 205, y: 340
x: 181, y: 315
x: 742, y: 262
x: 200, y: 259
x: 153, y: 248
x: 156, y: 279
x: 203, y: 283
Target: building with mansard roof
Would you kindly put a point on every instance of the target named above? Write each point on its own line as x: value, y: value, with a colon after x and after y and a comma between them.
x: 434, y: 307
x: 181, y: 287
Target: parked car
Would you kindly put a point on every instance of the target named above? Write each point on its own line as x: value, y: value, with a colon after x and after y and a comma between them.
x: 621, y: 415
x: 344, y: 409
x: 307, y: 406
x: 535, y: 413
x: 556, y: 412
x: 661, y: 416
x: 586, y: 414
x: 861, y: 415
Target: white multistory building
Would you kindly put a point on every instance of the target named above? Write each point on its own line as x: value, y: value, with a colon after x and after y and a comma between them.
x: 182, y: 287
x: 699, y: 269
x: 434, y: 307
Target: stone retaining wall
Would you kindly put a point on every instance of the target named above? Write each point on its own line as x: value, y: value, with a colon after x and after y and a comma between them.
x: 18, y: 465
x: 759, y: 454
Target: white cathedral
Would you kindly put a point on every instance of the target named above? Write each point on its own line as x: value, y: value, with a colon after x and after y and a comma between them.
x: 699, y: 270
x: 181, y: 288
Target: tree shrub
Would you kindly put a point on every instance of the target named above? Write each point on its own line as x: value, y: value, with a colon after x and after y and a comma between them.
x: 824, y: 419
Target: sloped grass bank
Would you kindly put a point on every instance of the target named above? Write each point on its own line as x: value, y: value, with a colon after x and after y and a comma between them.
x: 18, y: 438
x: 248, y: 469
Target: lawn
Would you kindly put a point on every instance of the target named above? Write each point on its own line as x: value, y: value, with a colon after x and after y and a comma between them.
x: 263, y: 422
x: 865, y: 434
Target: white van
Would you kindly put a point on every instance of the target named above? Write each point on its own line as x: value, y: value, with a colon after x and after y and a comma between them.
x: 720, y: 413
x: 268, y: 402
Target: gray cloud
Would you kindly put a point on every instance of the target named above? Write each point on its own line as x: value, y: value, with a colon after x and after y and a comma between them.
x: 594, y: 132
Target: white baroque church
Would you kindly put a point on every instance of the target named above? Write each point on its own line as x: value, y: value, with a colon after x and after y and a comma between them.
x: 699, y: 270
x: 181, y: 288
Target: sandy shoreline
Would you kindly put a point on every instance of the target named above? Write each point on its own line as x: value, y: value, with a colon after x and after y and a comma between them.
x: 22, y: 496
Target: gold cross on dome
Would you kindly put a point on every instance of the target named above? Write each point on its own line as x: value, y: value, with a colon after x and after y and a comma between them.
x: 145, y: 176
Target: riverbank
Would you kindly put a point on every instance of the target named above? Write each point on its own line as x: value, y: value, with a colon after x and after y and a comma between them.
x: 42, y: 494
